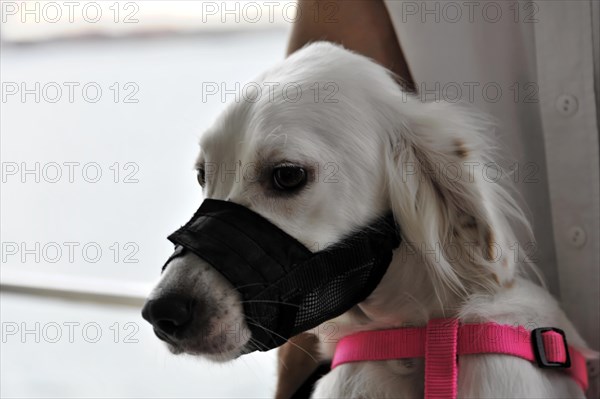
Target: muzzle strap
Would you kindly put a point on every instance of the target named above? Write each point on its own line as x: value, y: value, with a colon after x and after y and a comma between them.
x: 326, y: 284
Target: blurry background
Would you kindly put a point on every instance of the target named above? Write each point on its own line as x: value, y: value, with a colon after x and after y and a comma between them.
x: 102, y: 106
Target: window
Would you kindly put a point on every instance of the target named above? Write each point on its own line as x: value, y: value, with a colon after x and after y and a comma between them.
x: 102, y: 106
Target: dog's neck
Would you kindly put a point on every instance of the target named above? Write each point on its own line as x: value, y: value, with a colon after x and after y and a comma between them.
x: 405, y: 297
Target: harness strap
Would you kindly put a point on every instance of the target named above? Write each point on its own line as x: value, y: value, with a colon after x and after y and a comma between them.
x: 443, y: 340
x: 441, y: 371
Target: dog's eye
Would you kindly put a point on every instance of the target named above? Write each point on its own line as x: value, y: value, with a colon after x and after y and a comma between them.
x: 288, y: 177
x: 200, y: 175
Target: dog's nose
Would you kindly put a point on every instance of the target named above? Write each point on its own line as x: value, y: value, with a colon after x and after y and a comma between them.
x: 169, y: 314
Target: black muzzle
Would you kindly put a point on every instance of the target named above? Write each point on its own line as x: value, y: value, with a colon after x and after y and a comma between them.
x: 286, y: 289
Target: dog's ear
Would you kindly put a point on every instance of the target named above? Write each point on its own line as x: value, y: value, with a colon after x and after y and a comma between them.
x: 449, y: 198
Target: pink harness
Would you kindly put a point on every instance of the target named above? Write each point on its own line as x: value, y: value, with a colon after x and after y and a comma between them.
x: 443, y: 340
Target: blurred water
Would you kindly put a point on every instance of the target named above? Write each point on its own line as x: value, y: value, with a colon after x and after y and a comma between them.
x: 126, y: 216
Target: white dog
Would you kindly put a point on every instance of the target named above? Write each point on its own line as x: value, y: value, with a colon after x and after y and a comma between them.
x: 356, y: 146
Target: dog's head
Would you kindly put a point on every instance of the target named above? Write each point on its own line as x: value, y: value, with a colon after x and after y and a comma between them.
x: 320, y: 145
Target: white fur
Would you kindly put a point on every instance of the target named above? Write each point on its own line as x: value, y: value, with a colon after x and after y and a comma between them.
x: 424, y: 161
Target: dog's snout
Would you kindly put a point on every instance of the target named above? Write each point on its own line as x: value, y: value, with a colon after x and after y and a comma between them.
x: 168, y: 315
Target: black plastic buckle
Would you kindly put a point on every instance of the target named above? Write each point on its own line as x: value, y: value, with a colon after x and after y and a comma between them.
x: 540, y: 352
